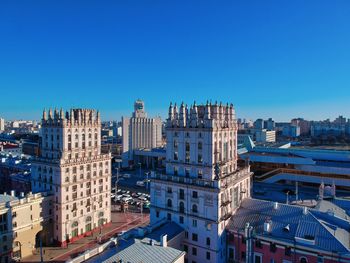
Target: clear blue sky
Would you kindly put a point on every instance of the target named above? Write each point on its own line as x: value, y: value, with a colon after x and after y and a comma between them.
x: 278, y: 58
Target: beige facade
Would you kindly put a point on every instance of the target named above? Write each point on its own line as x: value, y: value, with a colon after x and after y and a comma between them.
x: 203, y: 185
x: 72, y: 166
x: 23, y: 222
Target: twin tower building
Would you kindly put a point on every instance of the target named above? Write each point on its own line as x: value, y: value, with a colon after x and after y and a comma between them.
x: 200, y: 190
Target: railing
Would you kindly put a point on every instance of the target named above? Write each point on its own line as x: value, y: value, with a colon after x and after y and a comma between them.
x: 185, y: 180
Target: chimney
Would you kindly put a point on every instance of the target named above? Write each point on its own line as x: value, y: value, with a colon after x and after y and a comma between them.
x: 275, y: 205
x: 267, y: 225
x: 13, y: 193
x: 21, y: 194
x: 305, y: 210
x: 164, y: 240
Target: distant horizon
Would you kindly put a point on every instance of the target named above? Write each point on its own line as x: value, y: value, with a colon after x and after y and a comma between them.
x: 164, y: 114
x: 270, y: 59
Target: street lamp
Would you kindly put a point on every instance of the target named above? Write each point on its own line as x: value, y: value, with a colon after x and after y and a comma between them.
x: 116, y: 185
x: 140, y: 169
x: 147, y: 174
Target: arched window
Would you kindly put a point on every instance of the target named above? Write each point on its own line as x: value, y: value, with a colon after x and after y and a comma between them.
x: 75, y: 224
x: 194, y: 209
x: 182, y: 207
x: 100, y: 214
x: 200, y: 146
x: 303, y: 260
x: 88, y: 219
x: 170, y: 203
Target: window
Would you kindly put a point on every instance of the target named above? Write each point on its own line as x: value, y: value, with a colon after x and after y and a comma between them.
x: 303, y: 260
x: 200, y: 146
x: 257, y: 258
x: 288, y: 251
x: 194, y: 194
x: 258, y: 244
x: 194, y: 251
x: 200, y: 158
x: 182, y: 207
x: 194, y: 237
x: 187, y: 172
x: 181, y: 194
x: 176, y: 157
x: 169, y: 216
x: 186, y: 248
x: 208, y: 255
x: 181, y: 219
x: 230, y: 253
x: 194, y: 223
x: 169, y: 190
x: 194, y: 209
x: 186, y: 234
x: 175, y: 171
x: 170, y: 203
x: 273, y: 247
x: 157, y: 214
x: 243, y: 255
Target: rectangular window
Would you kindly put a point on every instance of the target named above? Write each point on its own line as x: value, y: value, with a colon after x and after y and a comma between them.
x: 194, y: 194
x: 194, y: 237
x: 194, y: 251
x: 208, y: 255
x: 181, y: 219
x: 194, y: 223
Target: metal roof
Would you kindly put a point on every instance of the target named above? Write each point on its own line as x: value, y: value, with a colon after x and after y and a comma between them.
x: 301, y: 225
x: 145, y: 253
x: 7, y: 198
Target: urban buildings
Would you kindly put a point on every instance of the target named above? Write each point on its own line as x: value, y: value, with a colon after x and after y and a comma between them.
x: 25, y: 221
x: 139, y: 132
x: 203, y: 185
x: 291, y: 131
x: 72, y: 167
x: 339, y: 127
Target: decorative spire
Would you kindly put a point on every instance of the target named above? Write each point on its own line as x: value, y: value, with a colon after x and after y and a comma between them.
x: 50, y: 113
x: 61, y: 114
x: 44, y: 115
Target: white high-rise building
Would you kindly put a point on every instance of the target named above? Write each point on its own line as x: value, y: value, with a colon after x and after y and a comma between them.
x: 139, y: 132
x: 203, y: 186
x: 72, y: 166
x: 2, y: 124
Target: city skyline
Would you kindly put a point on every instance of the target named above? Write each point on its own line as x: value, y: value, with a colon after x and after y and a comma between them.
x: 271, y: 60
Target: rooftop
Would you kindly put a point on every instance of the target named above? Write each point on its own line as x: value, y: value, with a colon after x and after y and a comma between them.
x: 7, y: 198
x: 146, y: 253
x: 309, y: 228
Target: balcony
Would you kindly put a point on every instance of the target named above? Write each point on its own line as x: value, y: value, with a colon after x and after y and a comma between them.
x: 225, y: 202
x: 186, y: 180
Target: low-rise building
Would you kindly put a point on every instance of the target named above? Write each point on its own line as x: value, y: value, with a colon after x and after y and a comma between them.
x: 25, y: 221
x: 265, y: 231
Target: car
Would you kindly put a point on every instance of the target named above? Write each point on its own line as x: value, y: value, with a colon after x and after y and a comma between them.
x: 140, y: 183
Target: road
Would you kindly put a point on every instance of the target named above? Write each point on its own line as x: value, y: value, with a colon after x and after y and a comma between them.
x: 130, y: 183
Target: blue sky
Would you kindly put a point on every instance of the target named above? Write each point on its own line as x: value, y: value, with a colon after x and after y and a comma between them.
x: 279, y: 59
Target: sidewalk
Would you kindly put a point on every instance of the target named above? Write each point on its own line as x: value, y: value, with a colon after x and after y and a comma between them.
x: 120, y: 222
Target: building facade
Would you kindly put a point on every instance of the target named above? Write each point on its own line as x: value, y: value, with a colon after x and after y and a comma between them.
x: 139, y: 132
x: 24, y: 221
x: 72, y: 167
x: 203, y: 186
x: 265, y: 136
